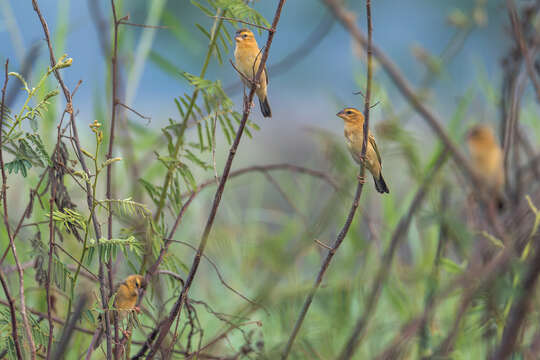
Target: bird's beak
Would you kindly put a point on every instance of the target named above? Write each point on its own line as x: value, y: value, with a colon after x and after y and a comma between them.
x: 238, y: 37
x: 340, y: 114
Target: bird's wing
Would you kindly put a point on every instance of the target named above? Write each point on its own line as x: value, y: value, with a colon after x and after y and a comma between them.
x: 374, y: 145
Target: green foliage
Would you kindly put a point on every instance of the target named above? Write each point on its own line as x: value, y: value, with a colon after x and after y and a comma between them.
x: 69, y: 219
x: 108, y: 248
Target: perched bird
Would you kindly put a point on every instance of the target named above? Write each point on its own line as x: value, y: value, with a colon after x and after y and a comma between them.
x: 248, y: 58
x: 487, y: 160
x: 354, y: 135
x: 125, y: 301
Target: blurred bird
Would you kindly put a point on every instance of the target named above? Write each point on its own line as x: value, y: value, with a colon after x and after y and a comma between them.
x: 354, y: 135
x: 487, y: 160
x: 125, y: 301
x: 248, y: 58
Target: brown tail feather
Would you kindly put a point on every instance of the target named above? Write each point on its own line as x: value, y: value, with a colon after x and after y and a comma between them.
x: 265, y: 107
x: 380, y: 185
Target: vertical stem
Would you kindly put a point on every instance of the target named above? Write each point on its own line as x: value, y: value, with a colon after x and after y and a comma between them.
x: 114, y: 101
x: 2, y: 277
x: 13, y: 313
x: 51, y: 246
x: 352, y: 211
x: 6, y: 223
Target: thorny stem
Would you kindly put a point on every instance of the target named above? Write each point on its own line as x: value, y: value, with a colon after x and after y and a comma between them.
x: 219, y: 192
x: 354, y: 206
x: 11, y: 243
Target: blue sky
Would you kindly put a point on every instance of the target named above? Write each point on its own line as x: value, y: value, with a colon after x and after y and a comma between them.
x: 308, y: 93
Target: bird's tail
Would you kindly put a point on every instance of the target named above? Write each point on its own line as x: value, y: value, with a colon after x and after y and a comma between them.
x: 380, y: 184
x: 265, y: 107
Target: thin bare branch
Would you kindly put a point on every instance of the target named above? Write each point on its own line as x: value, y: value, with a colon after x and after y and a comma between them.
x: 13, y: 313
x: 148, y: 118
x: 122, y: 22
x: 345, y: 229
x: 516, y: 27
x: 26, y: 324
x: 217, y: 199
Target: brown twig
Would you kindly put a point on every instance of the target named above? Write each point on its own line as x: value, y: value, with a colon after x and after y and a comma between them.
x: 153, y: 269
x: 274, y: 167
x: 345, y: 229
x: 12, y: 311
x: 242, y: 75
x: 320, y: 243
x: 217, y: 199
x: 516, y: 27
x: 221, y: 279
x: 123, y: 22
x: 67, y: 333
x: 519, y: 310
x: 148, y: 118
x: 6, y: 223
x: 88, y: 273
x: 114, y: 102
x: 255, y: 168
x: 399, y: 233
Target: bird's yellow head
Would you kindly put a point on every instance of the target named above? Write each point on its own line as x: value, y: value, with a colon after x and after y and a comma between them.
x: 351, y: 116
x: 244, y: 36
x: 136, y: 282
x: 481, y: 135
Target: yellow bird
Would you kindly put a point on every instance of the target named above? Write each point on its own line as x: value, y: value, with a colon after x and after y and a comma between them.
x: 487, y: 159
x: 248, y: 58
x: 354, y: 135
x: 125, y: 301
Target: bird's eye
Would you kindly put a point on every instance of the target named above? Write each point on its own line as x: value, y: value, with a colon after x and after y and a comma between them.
x: 244, y: 36
x: 348, y: 112
x: 137, y: 284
